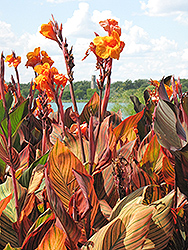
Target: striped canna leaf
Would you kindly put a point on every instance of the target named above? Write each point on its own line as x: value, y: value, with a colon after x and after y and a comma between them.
x: 8, y: 247
x: 69, y: 225
x: 26, y: 175
x: 128, y: 123
x: 143, y: 146
x: 137, y: 226
x: 162, y: 225
x: 53, y: 239
x: 104, y: 138
x: 4, y: 202
x: 60, y: 165
x: 38, y: 230
x: 90, y: 108
x: 6, y: 189
x: 150, y: 156
x: 167, y: 126
x: 89, y: 203
x: 168, y: 171
x: 148, y: 193
x: 7, y: 234
x: 72, y: 142
x: 127, y: 231
x: 105, y: 187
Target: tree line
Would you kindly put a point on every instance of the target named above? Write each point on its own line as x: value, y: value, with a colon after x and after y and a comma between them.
x: 84, y: 92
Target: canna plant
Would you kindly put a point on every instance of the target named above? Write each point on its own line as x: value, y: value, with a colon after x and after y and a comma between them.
x: 91, y: 180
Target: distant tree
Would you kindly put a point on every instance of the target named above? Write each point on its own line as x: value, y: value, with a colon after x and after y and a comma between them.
x: 66, y: 95
x: 79, y: 94
x: 184, y: 83
x: 90, y: 93
x: 24, y: 93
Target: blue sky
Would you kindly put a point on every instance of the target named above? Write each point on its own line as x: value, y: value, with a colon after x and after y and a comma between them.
x: 155, y: 33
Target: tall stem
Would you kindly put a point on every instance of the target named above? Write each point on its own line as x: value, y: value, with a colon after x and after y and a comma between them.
x: 16, y: 191
x: 44, y: 139
x: 18, y: 83
x: 77, y: 121
x: 69, y: 73
x: 61, y: 111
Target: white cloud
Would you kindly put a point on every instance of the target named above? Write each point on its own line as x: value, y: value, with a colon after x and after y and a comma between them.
x: 163, y: 44
x: 102, y: 15
x: 135, y: 38
x: 59, y: 1
x: 182, y: 18
x: 143, y: 56
x: 80, y: 24
x: 185, y: 55
x: 166, y: 8
x: 161, y: 7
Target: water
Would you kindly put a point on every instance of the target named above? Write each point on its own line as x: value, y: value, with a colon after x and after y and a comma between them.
x: 80, y: 106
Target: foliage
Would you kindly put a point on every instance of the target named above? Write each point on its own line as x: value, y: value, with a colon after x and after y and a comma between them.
x: 91, y: 180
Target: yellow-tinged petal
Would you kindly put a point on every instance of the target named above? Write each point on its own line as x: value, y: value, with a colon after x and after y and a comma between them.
x: 109, y: 46
x: 48, y: 31
x: 102, y: 51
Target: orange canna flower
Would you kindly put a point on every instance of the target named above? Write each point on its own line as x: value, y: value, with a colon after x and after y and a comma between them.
x: 37, y: 57
x: 83, y: 128
x: 169, y: 90
x: 109, y: 46
x: 109, y: 25
x: 46, y: 58
x: 13, y: 60
x: 33, y: 58
x: 60, y: 79
x: 39, y: 108
x: 46, y: 78
x: 47, y: 30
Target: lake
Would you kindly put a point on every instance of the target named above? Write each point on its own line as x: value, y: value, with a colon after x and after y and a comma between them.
x: 81, y: 105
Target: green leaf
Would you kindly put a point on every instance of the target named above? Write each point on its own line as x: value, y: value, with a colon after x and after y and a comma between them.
x: 26, y: 176
x: 9, y: 100
x: 16, y: 118
x: 2, y: 170
x: 8, y: 247
x: 41, y: 219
